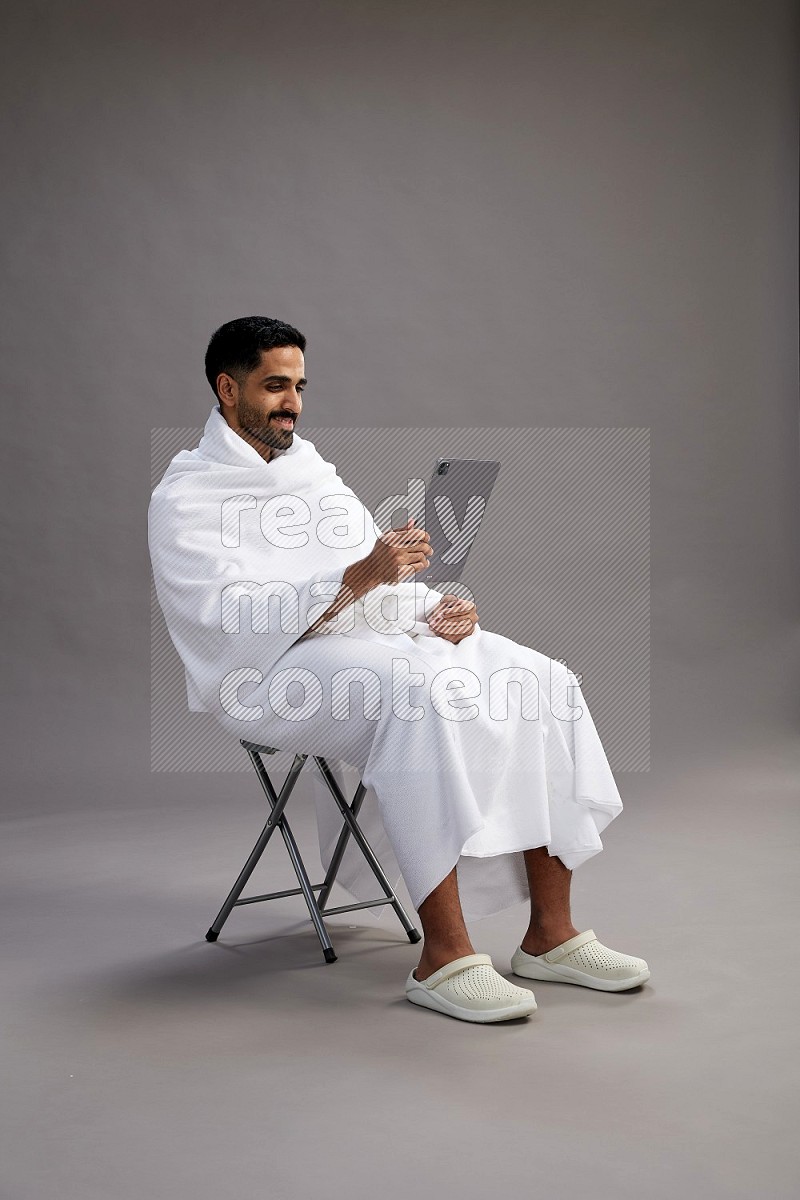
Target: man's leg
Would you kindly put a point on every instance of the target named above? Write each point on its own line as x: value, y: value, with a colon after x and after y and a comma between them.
x: 446, y: 935
x: 549, y: 883
x: 442, y: 923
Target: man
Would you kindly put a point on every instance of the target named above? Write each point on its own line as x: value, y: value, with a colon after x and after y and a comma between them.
x: 479, y: 803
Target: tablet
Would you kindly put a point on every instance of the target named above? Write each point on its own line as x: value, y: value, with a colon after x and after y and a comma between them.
x: 455, y: 505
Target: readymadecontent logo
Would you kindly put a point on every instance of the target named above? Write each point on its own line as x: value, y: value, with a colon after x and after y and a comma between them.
x: 566, y: 565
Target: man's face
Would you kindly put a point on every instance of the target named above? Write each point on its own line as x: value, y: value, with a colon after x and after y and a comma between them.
x: 265, y: 408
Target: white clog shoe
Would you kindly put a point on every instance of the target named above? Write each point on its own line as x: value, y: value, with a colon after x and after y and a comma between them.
x: 582, y: 959
x: 470, y: 989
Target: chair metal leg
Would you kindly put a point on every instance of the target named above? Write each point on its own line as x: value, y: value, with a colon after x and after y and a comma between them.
x: 258, y: 849
x: 275, y: 820
x: 308, y: 892
x: 369, y: 854
x: 341, y: 846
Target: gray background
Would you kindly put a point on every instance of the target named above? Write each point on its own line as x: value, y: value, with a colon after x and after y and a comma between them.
x: 549, y: 215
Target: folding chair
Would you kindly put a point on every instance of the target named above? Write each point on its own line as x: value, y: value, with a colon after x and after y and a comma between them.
x: 277, y: 820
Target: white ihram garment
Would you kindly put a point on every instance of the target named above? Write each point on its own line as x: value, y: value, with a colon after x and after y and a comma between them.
x: 454, y: 774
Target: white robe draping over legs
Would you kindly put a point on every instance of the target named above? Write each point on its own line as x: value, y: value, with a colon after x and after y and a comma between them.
x: 462, y: 768
x: 443, y: 792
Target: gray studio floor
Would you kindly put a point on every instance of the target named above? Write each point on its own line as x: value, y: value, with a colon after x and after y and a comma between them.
x: 142, y: 1060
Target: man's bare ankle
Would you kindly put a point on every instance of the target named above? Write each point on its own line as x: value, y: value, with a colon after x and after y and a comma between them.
x: 434, y: 958
x: 539, y: 941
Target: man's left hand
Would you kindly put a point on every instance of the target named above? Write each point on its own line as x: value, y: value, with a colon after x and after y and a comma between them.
x: 453, y: 618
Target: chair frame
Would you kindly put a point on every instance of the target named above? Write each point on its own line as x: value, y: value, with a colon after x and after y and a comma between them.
x: 277, y: 820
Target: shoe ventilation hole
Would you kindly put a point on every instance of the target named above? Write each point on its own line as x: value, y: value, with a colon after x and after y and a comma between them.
x: 597, y: 957
x: 481, y: 982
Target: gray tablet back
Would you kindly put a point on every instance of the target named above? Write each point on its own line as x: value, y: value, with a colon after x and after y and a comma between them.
x: 455, y: 504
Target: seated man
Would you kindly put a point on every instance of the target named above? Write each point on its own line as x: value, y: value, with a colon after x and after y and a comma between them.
x: 481, y: 803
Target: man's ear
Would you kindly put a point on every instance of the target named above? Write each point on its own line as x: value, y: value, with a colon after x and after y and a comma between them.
x: 226, y: 389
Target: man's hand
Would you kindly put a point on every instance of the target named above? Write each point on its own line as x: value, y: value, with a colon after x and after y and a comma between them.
x: 453, y: 618
x: 396, y: 555
x: 399, y: 554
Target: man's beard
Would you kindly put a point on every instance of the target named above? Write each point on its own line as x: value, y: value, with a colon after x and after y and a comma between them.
x: 266, y: 431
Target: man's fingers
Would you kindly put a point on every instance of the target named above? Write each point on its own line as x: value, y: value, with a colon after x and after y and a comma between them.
x: 409, y: 537
x: 455, y: 621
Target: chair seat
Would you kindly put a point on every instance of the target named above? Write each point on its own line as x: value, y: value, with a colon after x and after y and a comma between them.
x: 259, y: 749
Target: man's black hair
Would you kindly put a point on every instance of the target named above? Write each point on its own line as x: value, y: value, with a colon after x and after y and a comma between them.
x: 235, y: 348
